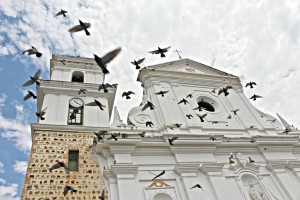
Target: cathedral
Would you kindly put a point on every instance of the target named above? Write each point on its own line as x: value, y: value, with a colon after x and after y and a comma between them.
x: 194, y: 136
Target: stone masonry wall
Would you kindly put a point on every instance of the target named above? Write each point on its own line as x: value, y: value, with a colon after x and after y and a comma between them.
x: 48, y: 146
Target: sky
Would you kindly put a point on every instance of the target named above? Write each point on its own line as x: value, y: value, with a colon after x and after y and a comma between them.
x: 257, y: 40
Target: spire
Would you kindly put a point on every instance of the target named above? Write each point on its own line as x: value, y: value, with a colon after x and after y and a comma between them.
x: 117, y: 120
x: 286, y: 124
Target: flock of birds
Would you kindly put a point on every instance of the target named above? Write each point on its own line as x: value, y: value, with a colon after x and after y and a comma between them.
x: 102, y: 63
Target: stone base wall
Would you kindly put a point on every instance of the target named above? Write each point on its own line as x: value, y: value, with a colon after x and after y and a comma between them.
x: 49, y: 146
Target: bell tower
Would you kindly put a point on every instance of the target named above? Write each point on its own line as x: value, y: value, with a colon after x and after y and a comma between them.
x: 66, y: 132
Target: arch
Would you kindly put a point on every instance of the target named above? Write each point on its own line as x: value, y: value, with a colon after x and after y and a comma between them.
x: 78, y: 76
x: 162, y: 196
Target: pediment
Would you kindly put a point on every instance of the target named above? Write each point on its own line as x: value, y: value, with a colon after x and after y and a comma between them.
x: 188, y: 66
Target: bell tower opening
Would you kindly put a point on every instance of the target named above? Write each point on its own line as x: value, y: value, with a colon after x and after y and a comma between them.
x: 77, y: 76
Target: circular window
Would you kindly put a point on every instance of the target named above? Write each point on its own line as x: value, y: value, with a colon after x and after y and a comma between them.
x: 207, y: 104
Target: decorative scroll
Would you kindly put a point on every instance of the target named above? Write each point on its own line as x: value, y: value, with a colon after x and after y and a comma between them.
x: 159, y: 183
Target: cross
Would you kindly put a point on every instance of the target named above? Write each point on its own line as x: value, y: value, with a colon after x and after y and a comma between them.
x: 178, y: 53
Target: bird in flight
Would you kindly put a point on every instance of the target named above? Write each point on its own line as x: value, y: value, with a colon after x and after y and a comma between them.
x: 172, y: 140
x: 62, y: 12
x: 29, y: 94
x: 127, y: 94
x: 189, y: 96
x: 41, y: 114
x: 96, y: 103
x: 34, y: 79
x: 160, y: 51
x: 162, y: 93
x: 250, y: 84
x: 251, y: 160
x: 214, y: 90
x: 229, y: 116
x: 102, y: 195
x: 235, y: 111
x: 254, y: 97
x: 102, y: 62
x: 80, y: 27
x: 104, y: 87
x: 100, y: 135
x: 114, y: 136
x: 59, y: 165
x: 31, y: 51
x: 67, y: 188
x: 225, y: 90
x: 213, y: 139
x: 142, y: 134
x: 160, y: 174
x: 82, y: 91
x: 175, y: 125
x: 149, y: 123
x: 201, y: 117
x: 183, y: 101
x: 136, y: 63
x: 197, y: 186
x: 189, y: 116
x: 148, y: 104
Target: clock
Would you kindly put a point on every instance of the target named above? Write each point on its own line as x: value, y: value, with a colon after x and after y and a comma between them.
x: 76, y: 102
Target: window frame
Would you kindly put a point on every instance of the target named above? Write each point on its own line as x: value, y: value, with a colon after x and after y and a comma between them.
x: 75, y: 162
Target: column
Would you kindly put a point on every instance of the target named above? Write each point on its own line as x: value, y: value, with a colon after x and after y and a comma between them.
x: 188, y: 175
x: 127, y: 185
x: 113, y: 193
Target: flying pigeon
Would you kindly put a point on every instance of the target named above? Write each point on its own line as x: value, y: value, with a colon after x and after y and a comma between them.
x: 29, y: 94
x: 172, y: 140
x: 225, y: 90
x: 213, y: 139
x: 160, y: 174
x: 214, y: 90
x: 100, y: 135
x: 162, y: 93
x: 197, y: 186
x: 34, y: 79
x: 104, y: 87
x: 114, y: 136
x: 254, y: 97
x: 160, y: 51
x: 102, y: 195
x: 142, y: 134
x: 41, y: 114
x: 201, y: 117
x: 59, y: 165
x: 189, y: 116
x: 31, y: 51
x: 250, y: 84
x: 67, y: 188
x: 82, y: 91
x: 148, y: 104
x: 149, y: 123
x: 106, y: 59
x: 62, y: 12
x: 96, y: 103
x: 183, y: 101
x: 229, y: 117
x: 189, y: 96
x: 127, y: 94
x: 176, y: 125
x: 235, y: 111
x: 251, y: 160
x: 136, y: 63
x: 80, y: 27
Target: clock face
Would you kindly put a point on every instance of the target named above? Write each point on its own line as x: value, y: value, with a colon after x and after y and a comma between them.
x: 76, y: 102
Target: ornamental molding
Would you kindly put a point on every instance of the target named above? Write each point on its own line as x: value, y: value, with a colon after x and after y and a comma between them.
x: 159, y: 183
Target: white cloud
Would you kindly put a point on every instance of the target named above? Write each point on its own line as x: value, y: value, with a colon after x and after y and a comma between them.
x: 20, y: 166
x: 9, y: 192
x: 18, y: 129
x: 2, y: 181
x: 1, y: 168
x: 2, y: 99
x: 257, y: 39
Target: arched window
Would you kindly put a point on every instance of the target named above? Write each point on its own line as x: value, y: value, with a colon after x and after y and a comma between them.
x: 77, y: 76
x: 206, y: 106
x: 162, y: 196
x: 75, y: 116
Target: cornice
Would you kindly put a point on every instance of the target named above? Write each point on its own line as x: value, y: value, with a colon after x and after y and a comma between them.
x: 124, y: 171
x: 277, y: 166
x: 212, y: 169
x: 294, y: 166
x: 187, y: 169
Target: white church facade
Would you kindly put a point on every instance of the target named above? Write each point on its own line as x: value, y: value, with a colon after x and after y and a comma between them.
x: 234, y: 152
